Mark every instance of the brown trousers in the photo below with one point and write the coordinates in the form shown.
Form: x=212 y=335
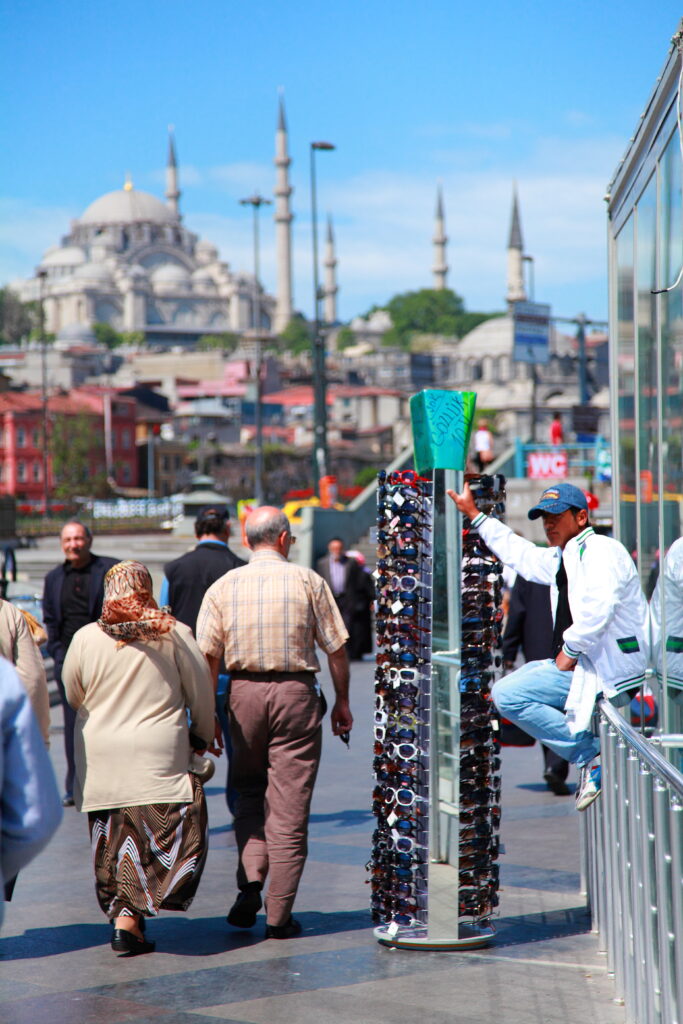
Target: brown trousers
x=276 y=739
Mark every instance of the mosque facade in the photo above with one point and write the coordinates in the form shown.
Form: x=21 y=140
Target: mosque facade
x=129 y=261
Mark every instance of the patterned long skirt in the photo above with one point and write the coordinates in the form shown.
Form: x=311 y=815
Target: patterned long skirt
x=149 y=858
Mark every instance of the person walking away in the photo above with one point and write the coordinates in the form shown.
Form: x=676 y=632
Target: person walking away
x=72 y=597
x=30 y=810
x=349 y=584
x=529 y=625
x=131 y=677
x=483 y=446
x=599 y=626
x=265 y=620
x=186 y=580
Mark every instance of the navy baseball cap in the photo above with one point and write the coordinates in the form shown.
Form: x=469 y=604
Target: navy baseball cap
x=559 y=498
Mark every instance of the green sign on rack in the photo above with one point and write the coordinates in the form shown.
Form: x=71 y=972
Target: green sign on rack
x=442 y=425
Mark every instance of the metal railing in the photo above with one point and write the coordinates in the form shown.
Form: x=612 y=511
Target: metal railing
x=633 y=865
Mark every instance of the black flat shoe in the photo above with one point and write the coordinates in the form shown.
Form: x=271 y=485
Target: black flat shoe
x=284 y=931
x=245 y=908
x=125 y=942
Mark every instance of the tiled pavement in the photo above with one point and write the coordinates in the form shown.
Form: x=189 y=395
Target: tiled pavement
x=56 y=964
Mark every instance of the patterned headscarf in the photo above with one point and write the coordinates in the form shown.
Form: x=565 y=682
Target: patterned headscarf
x=129 y=611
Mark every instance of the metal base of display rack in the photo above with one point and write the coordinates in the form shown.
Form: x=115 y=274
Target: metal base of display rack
x=471 y=937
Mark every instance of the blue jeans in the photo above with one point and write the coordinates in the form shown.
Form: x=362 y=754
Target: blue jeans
x=533 y=698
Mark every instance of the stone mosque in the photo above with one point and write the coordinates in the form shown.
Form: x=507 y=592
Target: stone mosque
x=129 y=261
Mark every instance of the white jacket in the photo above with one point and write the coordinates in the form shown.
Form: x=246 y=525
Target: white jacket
x=610 y=614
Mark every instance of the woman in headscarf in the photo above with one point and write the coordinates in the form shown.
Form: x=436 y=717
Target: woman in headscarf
x=132 y=677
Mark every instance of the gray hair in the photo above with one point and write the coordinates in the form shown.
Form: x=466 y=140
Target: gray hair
x=266 y=528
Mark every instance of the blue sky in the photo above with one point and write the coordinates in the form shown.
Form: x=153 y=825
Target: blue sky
x=470 y=95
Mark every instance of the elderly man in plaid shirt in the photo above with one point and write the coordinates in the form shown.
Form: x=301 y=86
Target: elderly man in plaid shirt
x=265 y=619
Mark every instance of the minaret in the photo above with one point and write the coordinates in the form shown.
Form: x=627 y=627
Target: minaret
x=440 y=268
x=330 y=290
x=283 y=226
x=172 y=190
x=516 y=289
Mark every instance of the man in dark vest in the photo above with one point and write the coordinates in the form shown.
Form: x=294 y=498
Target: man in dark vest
x=72 y=597
x=187 y=579
x=530 y=626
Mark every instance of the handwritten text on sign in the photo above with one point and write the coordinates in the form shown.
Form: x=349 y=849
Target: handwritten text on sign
x=547 y=465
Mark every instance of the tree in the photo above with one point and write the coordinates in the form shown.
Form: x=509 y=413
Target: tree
x=345 y=339
x=226 y=342
x=429 y=311
x=77 y=450
x=17 y=318
x=107 y=335
x=297 y=335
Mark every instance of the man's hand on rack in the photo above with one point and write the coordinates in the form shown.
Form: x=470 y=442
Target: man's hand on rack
x=464 y=502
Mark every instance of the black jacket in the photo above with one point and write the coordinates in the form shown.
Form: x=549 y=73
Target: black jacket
x=191 y=575
x=529 y=623
x=52 y=603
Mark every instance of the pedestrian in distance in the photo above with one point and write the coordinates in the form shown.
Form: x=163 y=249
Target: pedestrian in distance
x=599 y=633
x=483 y=446
x=555 y=432
x=529 y=625
x=72 y=597
x=186 y=580
x=265 y=619
x=132 y=677
x=30 y=809
x=353 y=592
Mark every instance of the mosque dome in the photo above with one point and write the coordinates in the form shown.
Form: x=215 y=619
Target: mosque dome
x=202 y=277
x=63 y=256
x=136 y=270
x=128 y=206
x=94 y=273
x=492 y=338
x=76 y=334
x=205 y=252
x=170 y=277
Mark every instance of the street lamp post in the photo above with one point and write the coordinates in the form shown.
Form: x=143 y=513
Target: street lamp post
x=320 y=454
x=42 y=277
x=256 y=201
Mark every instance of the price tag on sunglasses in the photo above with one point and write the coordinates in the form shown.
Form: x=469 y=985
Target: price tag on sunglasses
x=396 y=607
x=398 y=499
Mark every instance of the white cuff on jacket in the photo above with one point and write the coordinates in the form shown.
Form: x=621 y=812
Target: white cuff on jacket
x=566 y=649
x=479 y=519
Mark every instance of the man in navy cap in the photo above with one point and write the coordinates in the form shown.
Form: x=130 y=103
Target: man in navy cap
x=599 y=633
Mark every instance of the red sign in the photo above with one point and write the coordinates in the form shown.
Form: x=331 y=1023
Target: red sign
x=547 y=465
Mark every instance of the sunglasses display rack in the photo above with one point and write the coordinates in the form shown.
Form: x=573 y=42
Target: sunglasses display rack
x=400 y=854
x=481 y=628
x=404 y=719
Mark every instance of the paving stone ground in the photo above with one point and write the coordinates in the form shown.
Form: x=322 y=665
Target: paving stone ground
x=543 y=967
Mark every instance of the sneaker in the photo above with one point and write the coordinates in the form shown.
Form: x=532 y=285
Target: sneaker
x=589 y=789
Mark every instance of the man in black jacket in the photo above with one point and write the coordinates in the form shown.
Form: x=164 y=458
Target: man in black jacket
x=72 y=597
x=186 y=581
x=530 y=625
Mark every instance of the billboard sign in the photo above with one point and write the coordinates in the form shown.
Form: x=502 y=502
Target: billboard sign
x=547 y=465
x=531 y=322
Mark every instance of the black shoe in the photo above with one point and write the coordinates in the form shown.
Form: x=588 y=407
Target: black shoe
x=555 y=784
x=247 y=905
x=68 y=800
x=284 y=931
x=125 y=942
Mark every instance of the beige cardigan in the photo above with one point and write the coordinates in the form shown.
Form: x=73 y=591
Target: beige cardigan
x=19 y=647
x=131 y=737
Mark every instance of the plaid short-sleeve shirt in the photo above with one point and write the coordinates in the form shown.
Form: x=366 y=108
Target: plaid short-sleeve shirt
x=268 y=616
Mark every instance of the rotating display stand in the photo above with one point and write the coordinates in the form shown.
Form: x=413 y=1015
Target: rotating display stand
x=436 y=796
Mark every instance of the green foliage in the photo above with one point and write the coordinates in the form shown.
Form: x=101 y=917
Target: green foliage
x=136 y=339
x=428 y=311
x=77 y=448
x=226 y=342
x=17 y=318
x=297 y=335
x=366 y=475
x=107 y=336
x=345 y=339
